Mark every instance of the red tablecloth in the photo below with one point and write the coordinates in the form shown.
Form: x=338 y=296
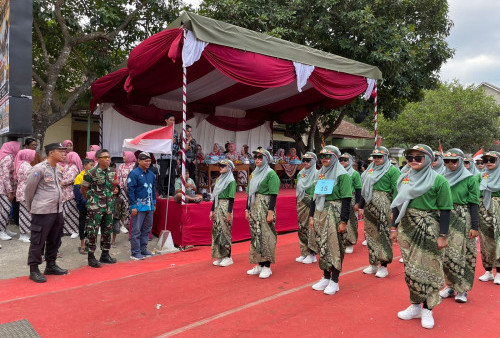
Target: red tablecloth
x=190 y=224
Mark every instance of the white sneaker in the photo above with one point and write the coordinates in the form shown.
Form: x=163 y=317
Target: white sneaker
x=461 y=297
x=349 y=249
x=11 y=233
x=447 y=292
x=427 y=319
x=74 y=235
x=401 y=260
x=364 y=243
x=216 y=262
x=497 y=278
x=321 y=285
x=266 y=272
x=4 y=236
x=332 y=288
x=413 y=311
x=300 y=259
x=226 y=261
x=123 y=230
x=255 y=270
x=310 y=259
x=370 y=270
x=24 y=238
x=488 y=275
x=382 y=272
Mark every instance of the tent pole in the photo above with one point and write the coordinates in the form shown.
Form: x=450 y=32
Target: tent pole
x=375 y=116
x=184 y=109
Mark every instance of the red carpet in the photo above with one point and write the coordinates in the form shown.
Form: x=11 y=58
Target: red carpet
x=198 y=299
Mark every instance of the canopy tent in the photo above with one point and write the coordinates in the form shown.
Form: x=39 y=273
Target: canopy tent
x=237 y=78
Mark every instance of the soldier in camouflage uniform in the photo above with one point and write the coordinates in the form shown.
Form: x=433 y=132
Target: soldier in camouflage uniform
x=97 y=188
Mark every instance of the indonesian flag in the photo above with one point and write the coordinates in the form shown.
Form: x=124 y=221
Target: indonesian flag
x=440 y=148
x=478 y=155
x=154 y=141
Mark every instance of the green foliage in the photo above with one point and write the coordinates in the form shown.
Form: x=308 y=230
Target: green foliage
x=100 y=55
x=462 y=117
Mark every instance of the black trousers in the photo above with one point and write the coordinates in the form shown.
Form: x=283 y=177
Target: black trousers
x=82 y=223
x=165 y=175
x=46 y=230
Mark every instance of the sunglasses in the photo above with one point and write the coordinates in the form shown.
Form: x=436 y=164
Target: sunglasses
x=258 y=157
x=325 y=156
x=377 y=156
x=343 y=159
x=222 y=165
x=306 y=160
x=450 y=161
x=490 y=160
x=466 y=162
x=418 y=158
x=479 y=162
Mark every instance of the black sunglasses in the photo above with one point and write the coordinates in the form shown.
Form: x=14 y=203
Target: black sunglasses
x=466 y=162
x=479 y=162
x=377 y=156
x=450 y=161
x=258 y=157
x=306 y=160
x=222 y=165
x=343 y=159
x=418 y=158
x=491 y=160
x=322 y=156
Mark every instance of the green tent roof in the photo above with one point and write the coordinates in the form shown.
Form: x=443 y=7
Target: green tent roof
x=221 y=33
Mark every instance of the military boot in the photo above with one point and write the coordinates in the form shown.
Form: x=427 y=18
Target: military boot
x=35 y=275
x=53 y=269
x=106 y=258
x=93 y=262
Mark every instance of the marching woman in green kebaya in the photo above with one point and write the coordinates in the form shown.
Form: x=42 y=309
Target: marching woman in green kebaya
x=352 y=226
x=262 y=189
x=421 y=218
x=460 y=255
x=305 y=180
x=489 y=217
x=222 y=214
x=329 y=215
x=379 y=187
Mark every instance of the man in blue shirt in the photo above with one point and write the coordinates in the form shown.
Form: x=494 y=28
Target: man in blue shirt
x=142 y=198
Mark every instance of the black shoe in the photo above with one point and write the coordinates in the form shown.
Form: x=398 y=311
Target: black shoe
x=106 y=258
x=93 y=262
x=37 y=277
x=53 y=269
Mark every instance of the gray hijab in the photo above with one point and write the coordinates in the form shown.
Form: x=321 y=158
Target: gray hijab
x=332 y=172
x=405 y=169
x=461 y=173
x=223 y=180
x=259 y=174
x=472 y=166
x=374 y=173
x=440 y=168
x=414 y=183
x=306 y=176
x=490 y=181
x=349 y=168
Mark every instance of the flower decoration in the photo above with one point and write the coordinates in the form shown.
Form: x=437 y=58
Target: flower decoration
x=406 y=180
x=370 y=171
x=302 y=175
x=321 y=176
x=485 y=176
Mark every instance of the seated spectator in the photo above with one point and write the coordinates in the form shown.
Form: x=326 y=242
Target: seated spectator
x=216 y=151
x=280 y=155
x=201 y=156
x=292 y=155
x=191 y=196
x=233 y=154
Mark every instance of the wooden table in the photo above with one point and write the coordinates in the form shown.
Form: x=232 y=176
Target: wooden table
x=214 y=168
x=284 y=175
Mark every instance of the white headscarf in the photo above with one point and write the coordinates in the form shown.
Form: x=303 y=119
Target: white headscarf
x=306 y=177
x=223 y=180
x=374 y=173
x=259 y=174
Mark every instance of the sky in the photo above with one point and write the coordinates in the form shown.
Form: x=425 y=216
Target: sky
x=475 y=36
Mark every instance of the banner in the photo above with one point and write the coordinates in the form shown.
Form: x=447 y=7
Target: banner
x=4 y=65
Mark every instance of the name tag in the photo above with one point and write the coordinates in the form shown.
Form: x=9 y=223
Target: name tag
x=324 y=187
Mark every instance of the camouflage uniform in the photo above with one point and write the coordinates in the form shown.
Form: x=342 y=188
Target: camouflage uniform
x=99 y=205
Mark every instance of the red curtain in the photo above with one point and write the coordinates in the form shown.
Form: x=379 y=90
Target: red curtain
x=109 y=88
x=339 y=86
x=148 y=115
x=234 y=124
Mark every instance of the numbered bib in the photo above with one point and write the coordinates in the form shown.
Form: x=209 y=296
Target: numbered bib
x=324 y=187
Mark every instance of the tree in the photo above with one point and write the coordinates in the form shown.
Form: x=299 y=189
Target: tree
x=461 y=117
x=405 y=39
x=75 y=42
